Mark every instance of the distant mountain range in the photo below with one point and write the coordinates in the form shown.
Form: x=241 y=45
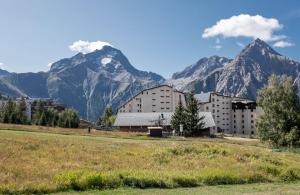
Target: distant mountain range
x=90 y=82
x=241 y=76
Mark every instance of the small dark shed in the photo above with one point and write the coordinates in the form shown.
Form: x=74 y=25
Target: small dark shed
x=155 y=131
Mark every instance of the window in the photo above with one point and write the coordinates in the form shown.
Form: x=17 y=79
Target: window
x=162 y=96
x=243 y=132
x=168 y=108
x=212 y=99
x=243 y=126
x=167 y=90
x=167 y=102
x=162 y=108
x=153 y=105
x=242 y=116
x=252 y=121
x=252 y=132
x=153 y=99
x=153 y=93
x=213 y=105
x=243 y=121
x=252 y=115
x=167 y=96
x=207 y=108
x=234 y=121
x=234 y=115
x=162 y=90
x=162 y=102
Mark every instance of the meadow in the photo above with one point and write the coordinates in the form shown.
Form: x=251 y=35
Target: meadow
x=48 y=160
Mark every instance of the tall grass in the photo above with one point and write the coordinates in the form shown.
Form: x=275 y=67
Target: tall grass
x=36 y=163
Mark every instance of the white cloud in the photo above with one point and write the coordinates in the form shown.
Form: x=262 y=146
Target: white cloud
x=242 y=45
x=86 y=46
x=2 y=66
x=245 y=25
x=283 y=44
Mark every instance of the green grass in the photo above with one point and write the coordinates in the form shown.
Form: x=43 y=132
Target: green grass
x=47 y=161
x=253 y=189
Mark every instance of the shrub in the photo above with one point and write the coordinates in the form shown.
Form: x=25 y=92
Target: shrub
x=270 y=169
x=218 y=177
x=186 y=181
x=290 y=174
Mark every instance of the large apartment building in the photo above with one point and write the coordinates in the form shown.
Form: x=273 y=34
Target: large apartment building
x=163 y=98
x=232 y=115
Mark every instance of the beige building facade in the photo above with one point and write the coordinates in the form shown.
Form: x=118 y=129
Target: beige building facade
x=163 y=98
x=232 y=115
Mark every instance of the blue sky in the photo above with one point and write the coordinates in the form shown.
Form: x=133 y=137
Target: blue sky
x=162 y=36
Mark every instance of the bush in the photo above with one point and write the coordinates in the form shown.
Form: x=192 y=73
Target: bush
x=186 y=181
x=220 y=178
x=270 y=169
x=290 y=174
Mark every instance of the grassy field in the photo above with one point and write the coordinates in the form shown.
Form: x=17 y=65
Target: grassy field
x=44 y=160
x=253 y=189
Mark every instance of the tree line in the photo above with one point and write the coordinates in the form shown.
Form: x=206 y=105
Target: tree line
x=15 y=113
x=107 y=119
x=279 y=124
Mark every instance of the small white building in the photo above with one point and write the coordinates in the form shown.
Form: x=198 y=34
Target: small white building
x=162 y=98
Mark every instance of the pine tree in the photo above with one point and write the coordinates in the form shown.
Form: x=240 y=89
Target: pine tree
x=39 y=110
x=21 y=112
x=178 y=118
x=193 y=124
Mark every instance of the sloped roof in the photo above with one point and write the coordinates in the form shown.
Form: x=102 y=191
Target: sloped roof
x=151 y=119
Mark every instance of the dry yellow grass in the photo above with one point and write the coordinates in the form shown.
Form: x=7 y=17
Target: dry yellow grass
x=34 y=160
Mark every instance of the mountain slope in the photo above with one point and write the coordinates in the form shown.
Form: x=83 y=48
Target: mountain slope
x=86 y=82
x=243 y=76
x=196 y=73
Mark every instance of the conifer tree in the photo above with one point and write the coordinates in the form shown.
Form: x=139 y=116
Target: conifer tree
x=178 y=118
x=193 y=124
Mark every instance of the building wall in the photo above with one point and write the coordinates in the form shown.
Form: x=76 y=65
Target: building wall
x=160 y=99
x=229 y=120
x=220 y=107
